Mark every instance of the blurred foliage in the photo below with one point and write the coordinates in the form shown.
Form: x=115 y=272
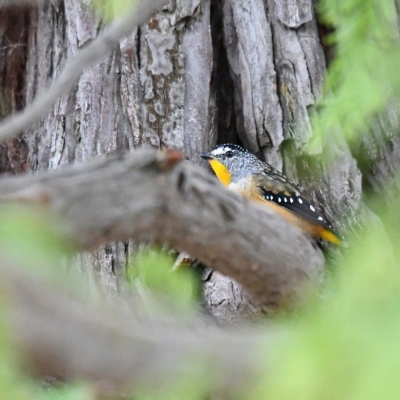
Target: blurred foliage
x=10 y=376
x=28 y=240
x=26 y=236
x=344 y=346
x=162 y=290
x=62 y=392
x=363 y=76
x=112 y=9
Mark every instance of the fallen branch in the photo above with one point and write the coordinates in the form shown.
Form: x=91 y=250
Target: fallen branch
x=84 y=58
x=149 y=195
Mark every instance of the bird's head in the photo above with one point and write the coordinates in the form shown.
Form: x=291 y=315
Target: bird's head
x=230 y=161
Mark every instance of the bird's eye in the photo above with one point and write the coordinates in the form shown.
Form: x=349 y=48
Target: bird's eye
x=229 y=154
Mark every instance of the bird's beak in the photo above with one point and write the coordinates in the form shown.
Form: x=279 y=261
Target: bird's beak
x=207 y=156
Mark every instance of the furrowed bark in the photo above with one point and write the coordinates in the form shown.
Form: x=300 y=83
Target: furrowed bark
x=94 y=52
x=191 y=76
x=248 y=40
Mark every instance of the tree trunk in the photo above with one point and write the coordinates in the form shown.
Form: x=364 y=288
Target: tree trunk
x=137 y=96
x=199 y=72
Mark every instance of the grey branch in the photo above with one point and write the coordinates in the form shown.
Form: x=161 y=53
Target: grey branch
x=84 y=58
x=20 y=3
x=150 y=195
x=63 y=337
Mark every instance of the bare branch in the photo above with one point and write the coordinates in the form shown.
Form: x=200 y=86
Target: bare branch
x=148 y=195
x=84 y=58
x=20 y=3
x=65 y=338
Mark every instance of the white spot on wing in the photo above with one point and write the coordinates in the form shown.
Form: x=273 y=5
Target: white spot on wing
x=312 y=208
x=279 y=199
x=285 y=199
x=300 y=201
x=291 y=200
x=320 y=218
x=272 y=197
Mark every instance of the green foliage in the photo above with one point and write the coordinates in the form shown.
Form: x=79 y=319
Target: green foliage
x=27 y=240
x=164 y=290
x=112 y=9
x=346 y=347
x=10 y=379
x=66 y=392
x=364 y=75
x=26 y=236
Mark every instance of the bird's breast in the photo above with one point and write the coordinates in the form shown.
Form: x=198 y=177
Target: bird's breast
x=242 y=186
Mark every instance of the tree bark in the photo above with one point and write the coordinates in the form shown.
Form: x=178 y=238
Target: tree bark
x=199 y=72
x=143 y=94
x=13 y=42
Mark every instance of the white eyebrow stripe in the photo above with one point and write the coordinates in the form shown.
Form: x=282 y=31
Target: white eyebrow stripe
x=220 y=150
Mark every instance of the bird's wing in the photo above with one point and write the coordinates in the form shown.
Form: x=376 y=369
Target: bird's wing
x=275 y=187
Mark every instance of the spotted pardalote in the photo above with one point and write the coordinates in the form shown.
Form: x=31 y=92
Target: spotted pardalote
x=244 y=173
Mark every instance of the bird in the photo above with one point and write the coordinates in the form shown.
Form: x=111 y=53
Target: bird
x=242 y=172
